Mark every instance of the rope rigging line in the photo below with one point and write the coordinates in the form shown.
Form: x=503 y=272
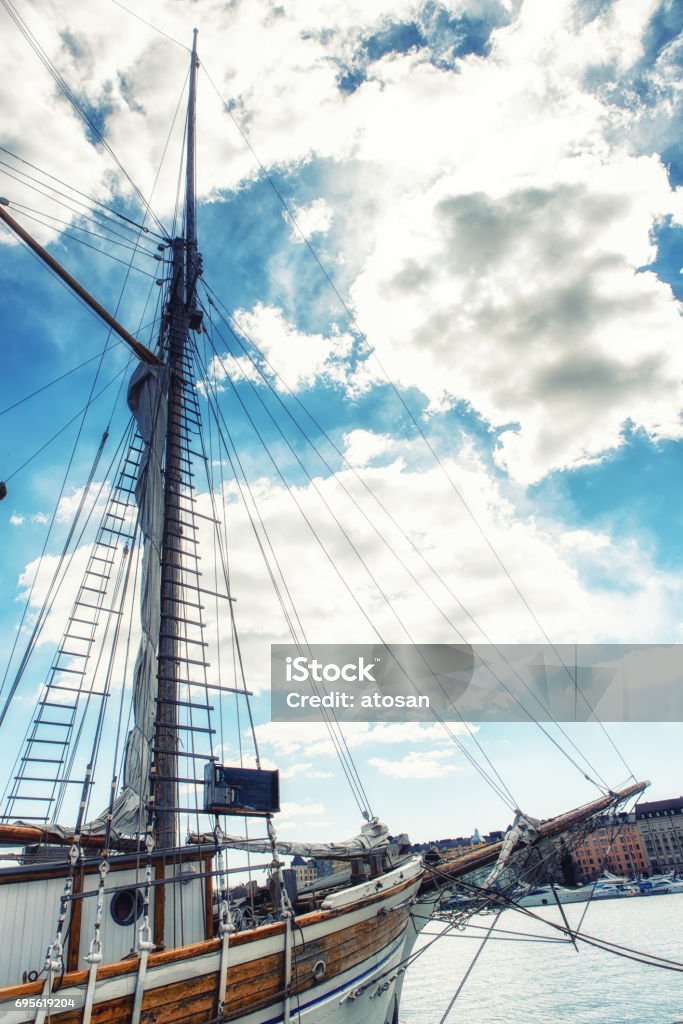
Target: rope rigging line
x=94 y=217
x=95 y=248
x=58 y=577
x=373 y=353
x=78 y=215
x=49 y=533
x=92 y=201
x=470 y=968
x=537 y=858
x=500 y=790
x=120 y=298
x=336 y=734
x=61 y=377
x=154 y=27
x=50 y=67
x=112 y=239
x=219 y=549
x=339 y=741
x=116 y=600
x=73 y=296
x=68 y=423
x=116 y=769
x=506 y=934
x=385 y=541
x=377 y=585
x=92 y=397
x=499 y=899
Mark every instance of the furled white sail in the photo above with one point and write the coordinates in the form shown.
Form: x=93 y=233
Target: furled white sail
x=148 y=401
x=373 y=836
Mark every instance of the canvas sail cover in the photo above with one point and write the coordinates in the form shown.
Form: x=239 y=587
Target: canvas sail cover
x=521 y=834
x=148 y=401
x=373 y=836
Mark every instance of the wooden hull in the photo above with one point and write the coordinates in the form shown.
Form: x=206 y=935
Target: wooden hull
x=359 y=939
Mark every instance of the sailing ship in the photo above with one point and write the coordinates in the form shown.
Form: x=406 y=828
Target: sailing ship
x=129 y=916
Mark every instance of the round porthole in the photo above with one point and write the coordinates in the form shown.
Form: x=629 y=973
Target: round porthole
x=318 y=969
x=126 y=906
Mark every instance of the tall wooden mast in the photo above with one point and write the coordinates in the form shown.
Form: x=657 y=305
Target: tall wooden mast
x=181 y=317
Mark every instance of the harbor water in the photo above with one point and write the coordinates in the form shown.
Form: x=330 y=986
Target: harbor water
x=522 y=979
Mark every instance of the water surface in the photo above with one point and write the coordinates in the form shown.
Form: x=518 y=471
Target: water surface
x=524 y=981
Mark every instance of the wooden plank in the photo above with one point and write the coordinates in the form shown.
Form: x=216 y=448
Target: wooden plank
x=208 y=898
x=75 y=924
x=140 y=350
x=159 y=903
x=171 y=956
x=255 y=984
x=121 y=862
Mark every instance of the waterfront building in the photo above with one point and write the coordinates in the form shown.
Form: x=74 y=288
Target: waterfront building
x=305 y=871
x=616 y=845
x=660 y=823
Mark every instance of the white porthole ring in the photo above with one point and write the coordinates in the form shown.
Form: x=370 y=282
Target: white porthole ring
x=319 y=970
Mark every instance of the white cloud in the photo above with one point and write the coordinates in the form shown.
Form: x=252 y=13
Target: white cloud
x=313 y=219
x=302 y=810
x=304 y=768
x=16 y=520
x=298 y=358
x=499 y=206
x=362 y=446
x=287 y=738
x=529 y=307
x=410 y=732
x=416 y=765
x=93 y=505
x=495 y=213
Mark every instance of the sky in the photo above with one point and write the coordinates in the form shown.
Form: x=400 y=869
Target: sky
x=455 y=231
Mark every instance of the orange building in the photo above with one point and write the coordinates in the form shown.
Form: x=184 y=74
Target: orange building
x=616 y=845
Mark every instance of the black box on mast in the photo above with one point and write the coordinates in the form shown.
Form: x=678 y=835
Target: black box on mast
x=242 y=791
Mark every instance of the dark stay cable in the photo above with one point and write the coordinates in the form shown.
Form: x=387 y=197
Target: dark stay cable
x=354 y=780
x=478 y=767
x=372 y=352
x=602 y=784
x=62 y=376
x=372 y=577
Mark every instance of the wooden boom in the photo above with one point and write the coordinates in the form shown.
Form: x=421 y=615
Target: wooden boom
x=141 y=351
x=485 y=855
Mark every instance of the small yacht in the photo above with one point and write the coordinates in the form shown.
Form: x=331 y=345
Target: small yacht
x=657 y=884
x=545 y=895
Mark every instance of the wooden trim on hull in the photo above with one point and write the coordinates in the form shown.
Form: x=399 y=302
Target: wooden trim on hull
x=254 y=985
x=254 y=982
x=28 y=835
x=120 y=862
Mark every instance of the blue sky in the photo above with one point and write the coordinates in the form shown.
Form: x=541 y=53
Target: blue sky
x=495 y=189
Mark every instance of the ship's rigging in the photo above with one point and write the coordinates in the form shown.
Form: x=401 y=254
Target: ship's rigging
x=168 y=729
x=214 y=310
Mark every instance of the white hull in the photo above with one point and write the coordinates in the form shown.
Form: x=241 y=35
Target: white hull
x=181 y=986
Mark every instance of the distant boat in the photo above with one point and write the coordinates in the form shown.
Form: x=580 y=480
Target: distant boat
x=548 y=895
x=660 y=884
